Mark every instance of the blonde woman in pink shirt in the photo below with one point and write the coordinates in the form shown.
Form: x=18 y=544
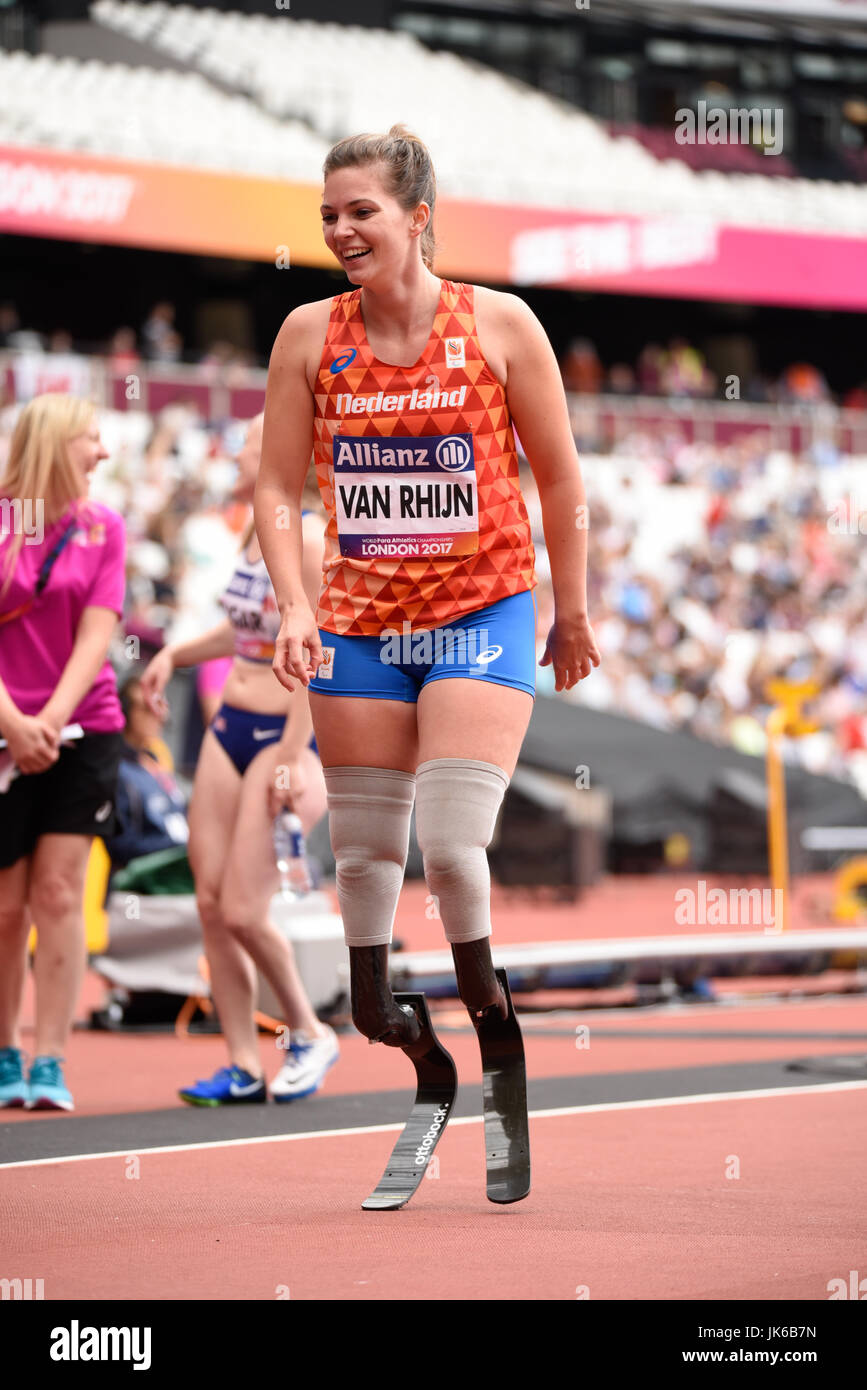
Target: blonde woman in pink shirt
x=62 y=582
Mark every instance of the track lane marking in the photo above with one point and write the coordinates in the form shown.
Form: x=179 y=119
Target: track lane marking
x=659 y=1101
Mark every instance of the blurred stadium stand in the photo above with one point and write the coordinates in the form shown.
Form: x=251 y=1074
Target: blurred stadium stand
x=296 y=90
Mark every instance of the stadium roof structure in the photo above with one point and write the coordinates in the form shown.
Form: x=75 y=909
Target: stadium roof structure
x=735 y=15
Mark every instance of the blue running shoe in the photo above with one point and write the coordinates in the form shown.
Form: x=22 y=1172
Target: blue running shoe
x=47 y=1086
x=13 y=1087
x=228 y=1086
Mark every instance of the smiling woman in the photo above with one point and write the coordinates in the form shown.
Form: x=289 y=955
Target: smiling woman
x=404 y=389
x=61 y=594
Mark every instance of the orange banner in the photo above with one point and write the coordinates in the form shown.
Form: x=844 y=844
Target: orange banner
x=89 y=198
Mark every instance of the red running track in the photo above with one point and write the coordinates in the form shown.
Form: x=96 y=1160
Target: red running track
x=628 y=1204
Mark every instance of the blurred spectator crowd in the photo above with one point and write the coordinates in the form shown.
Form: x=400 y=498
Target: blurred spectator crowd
x=712 y=568
x=157 y=341
x=677 y=371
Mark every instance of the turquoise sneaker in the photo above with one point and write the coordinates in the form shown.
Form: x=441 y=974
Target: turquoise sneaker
x=13 y=1087
x=47 y=1086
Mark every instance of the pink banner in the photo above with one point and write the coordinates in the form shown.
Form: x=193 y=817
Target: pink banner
x=680 y=257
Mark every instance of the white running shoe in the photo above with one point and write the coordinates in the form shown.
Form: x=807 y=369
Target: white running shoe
x=307 y=1061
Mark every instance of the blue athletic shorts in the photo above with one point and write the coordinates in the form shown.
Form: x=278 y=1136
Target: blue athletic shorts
x=496 y=644
x=243 y=733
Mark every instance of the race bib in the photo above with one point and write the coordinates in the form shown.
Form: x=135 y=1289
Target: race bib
x=410 y=498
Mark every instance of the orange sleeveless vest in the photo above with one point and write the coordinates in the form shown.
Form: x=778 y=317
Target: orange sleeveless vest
x=418 y=473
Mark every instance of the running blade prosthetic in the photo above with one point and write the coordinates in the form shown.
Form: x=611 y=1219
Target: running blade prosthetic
x=504 y=1091
x=436 y=1089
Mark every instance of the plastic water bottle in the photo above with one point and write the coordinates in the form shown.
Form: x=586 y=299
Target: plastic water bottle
x=291 y=855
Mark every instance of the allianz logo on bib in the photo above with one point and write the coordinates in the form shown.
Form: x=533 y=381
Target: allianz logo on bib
x=450 y=453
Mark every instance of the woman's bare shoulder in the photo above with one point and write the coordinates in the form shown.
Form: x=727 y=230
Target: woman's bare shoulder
x=306 y=319
x=302 y=336
x=500 y=308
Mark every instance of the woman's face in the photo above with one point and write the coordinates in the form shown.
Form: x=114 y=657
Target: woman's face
x=85 y=451
x=358 y=215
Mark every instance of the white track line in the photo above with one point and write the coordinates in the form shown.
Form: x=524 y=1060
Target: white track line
x=461 y=1120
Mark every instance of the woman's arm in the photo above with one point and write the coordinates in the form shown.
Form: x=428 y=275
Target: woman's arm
x=10 y=714
x=537 y=404
x=299 y=721
x=33 y=743
x=218 y=641
x=313 y=540
x=92 y=640
x=291 y=783
x=287 y=444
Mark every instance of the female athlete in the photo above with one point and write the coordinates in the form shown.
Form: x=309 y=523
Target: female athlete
x=420 y=658
x=238 y=790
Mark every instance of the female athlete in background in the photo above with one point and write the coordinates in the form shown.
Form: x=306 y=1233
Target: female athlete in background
x=256 y=731
x=405 y=388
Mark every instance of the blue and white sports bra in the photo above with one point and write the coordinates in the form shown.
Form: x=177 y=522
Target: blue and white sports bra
x=250 y=605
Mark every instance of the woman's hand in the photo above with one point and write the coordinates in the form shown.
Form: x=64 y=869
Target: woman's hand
x=288 y=783
x=155 y=678
x=297 y=630
x=571 y=647
x=34 y=743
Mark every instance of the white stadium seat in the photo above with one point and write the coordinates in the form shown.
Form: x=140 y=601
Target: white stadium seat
x=300 y=87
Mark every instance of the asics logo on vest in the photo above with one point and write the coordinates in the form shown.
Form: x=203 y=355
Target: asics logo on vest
x=343 y=361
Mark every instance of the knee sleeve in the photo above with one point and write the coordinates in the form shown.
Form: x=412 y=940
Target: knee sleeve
x=369 y=810
x=457 y=802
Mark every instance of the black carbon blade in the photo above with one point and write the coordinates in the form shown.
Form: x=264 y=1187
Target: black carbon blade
x=504 y=1092
x=436 y=1089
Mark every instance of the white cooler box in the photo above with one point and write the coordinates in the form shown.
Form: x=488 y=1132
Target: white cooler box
x=316 y=933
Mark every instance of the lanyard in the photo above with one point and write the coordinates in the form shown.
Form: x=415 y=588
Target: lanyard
x=44 y=575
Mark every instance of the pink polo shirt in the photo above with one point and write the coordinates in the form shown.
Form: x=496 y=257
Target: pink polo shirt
x=90 y=572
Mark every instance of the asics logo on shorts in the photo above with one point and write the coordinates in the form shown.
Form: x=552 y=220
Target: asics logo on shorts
x=103 y=813
x=259 y=734
x=489 y=654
